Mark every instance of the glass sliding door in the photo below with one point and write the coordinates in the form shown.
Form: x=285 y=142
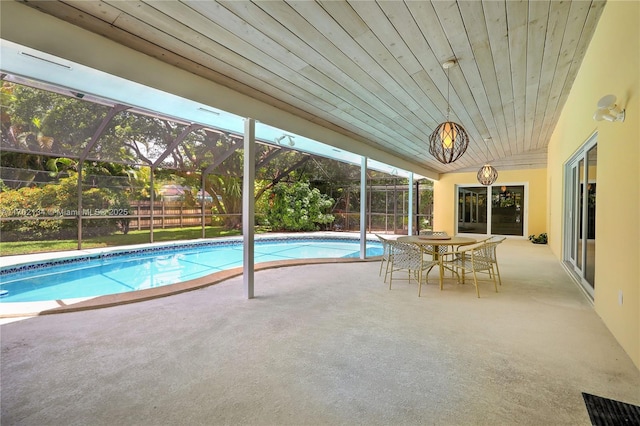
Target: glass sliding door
x=580 y=214
x=590 y=215
x=506 y=210
x=493 y=210
x=472 y=210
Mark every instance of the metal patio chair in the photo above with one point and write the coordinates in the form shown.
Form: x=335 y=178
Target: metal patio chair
x=386 y=256
x=474 y=260
x=409 y=257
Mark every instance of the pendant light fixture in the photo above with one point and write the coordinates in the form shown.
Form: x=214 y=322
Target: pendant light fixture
x=449 y=140
x=487 y=173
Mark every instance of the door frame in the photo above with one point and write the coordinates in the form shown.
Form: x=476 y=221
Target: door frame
x=570 y=226
x=525 y=206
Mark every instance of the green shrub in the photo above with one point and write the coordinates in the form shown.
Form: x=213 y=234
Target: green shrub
x=298 y=207
x=42 y=210
x=540 y=239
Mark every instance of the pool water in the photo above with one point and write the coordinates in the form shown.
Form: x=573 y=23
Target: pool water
x=137 y=271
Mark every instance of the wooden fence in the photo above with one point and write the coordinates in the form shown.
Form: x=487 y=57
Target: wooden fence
x=168 y=215
x=174 y=214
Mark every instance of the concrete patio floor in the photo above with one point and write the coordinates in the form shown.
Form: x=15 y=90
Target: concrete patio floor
x=324 y=344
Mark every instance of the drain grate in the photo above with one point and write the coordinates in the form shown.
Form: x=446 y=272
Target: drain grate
x=609 y=412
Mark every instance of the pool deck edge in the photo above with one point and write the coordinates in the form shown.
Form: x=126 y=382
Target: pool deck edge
x=31 y=309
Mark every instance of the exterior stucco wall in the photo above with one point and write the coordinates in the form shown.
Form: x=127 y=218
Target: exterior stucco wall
x=611 y=66
x=535 y=206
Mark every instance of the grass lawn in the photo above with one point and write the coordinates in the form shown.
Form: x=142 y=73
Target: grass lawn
x=133 y=237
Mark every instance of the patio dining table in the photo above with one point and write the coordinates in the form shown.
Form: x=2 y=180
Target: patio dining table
x=436 y=241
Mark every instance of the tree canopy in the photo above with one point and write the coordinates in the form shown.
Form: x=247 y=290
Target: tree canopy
x=47 y=131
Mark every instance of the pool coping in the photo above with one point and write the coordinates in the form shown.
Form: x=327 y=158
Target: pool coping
x=30 y=309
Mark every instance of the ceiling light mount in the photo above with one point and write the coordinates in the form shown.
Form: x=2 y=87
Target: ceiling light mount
x=449 y=140
x=449 y=64
x=608 y=110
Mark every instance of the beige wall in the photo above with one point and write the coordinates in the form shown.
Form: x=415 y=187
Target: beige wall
x=611 y=66
x=535 y=206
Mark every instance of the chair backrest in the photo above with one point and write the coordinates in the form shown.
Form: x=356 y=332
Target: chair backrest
x=386 y=247
x=405 y=255
x=441 y=249
x=484 y=240
x=488 y=250
x=494 y=241
x=482 y=256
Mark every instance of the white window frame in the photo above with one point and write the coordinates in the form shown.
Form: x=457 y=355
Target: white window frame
x=525 y=207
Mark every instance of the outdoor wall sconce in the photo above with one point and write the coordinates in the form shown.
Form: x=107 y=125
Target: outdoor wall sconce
x=608 y=110
x=449 y=140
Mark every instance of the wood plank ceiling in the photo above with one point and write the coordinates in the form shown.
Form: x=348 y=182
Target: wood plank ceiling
x=372 y=69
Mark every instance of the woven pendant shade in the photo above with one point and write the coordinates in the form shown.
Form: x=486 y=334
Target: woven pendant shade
x=448 y=142
x=487 y=175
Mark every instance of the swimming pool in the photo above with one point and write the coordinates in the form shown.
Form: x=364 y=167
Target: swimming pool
x=129 y=270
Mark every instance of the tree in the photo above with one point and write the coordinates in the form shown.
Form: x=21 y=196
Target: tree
x=48 y=123
x=298 y=207
x=56 y=129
